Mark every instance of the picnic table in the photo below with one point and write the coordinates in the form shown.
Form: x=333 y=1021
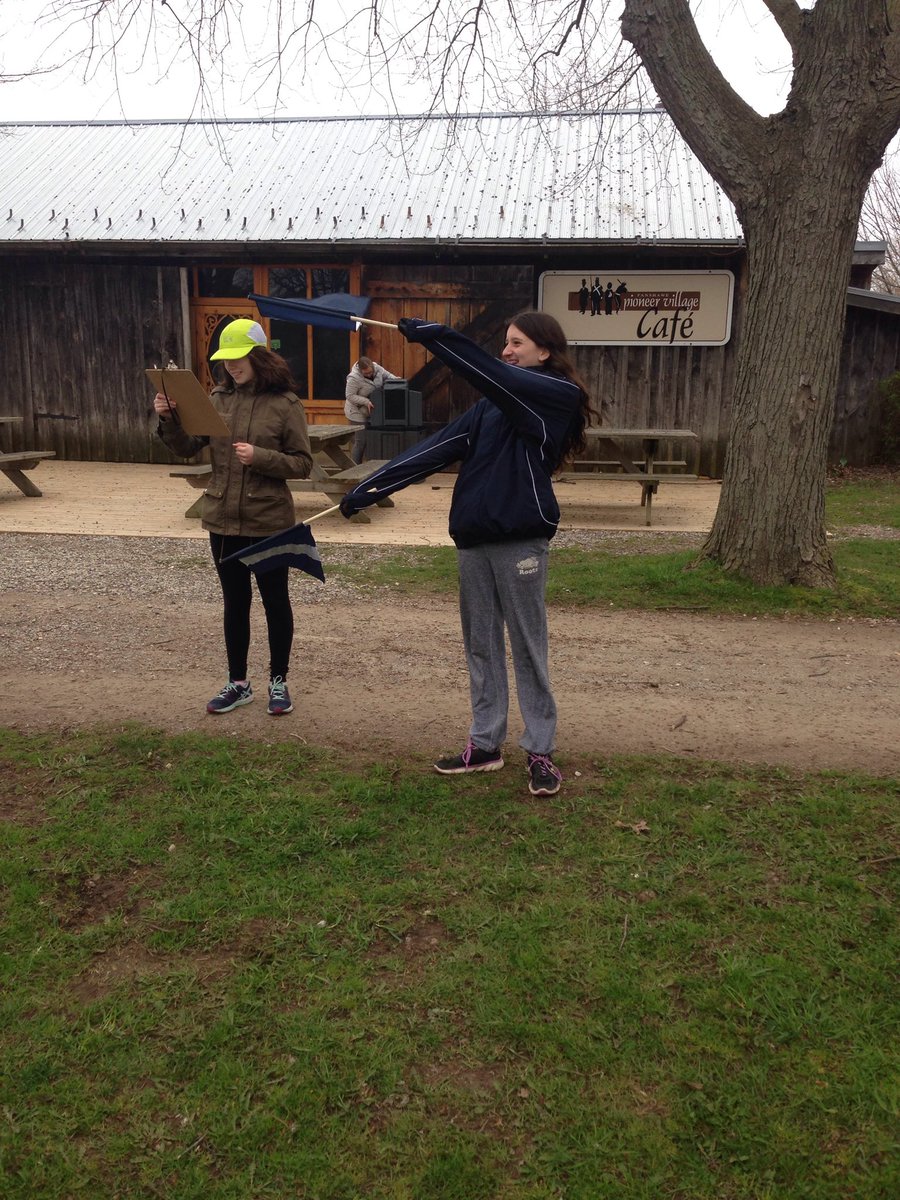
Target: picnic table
x=13 y=464
x=623 y=462
x=333 y=472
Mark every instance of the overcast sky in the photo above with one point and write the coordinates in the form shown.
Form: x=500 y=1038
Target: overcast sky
x=740 y=34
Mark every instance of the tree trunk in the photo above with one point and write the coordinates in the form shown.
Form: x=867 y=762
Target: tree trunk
x=797 y=181
x=770 y=524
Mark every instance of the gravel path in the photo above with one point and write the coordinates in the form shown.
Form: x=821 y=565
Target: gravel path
x=179 y=569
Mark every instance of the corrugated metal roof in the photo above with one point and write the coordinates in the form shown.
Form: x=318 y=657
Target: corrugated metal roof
x=507 y=178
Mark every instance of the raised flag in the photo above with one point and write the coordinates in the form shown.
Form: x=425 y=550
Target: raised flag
x=337 y=310
x=295 y=547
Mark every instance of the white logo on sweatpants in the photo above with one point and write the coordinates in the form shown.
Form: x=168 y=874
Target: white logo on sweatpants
x=528 y=566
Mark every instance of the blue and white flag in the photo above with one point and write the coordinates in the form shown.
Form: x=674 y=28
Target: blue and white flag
x=296 y=547
x=337 y=310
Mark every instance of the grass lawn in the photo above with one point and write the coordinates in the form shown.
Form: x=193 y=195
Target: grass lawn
x=654 y=571
x=652 y=577
x=864 y=498
x=243 y=971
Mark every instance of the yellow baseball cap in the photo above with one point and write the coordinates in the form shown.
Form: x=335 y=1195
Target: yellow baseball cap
x=238 y=339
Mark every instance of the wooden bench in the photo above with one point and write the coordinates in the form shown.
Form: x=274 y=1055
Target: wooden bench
x=348 y=479
x=198 y=476
x=609 y=464
x=649 y=483
x=334 y=485
x=12 y=465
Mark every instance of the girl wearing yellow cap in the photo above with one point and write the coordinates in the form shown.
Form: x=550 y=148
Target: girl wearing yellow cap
x=248 y=497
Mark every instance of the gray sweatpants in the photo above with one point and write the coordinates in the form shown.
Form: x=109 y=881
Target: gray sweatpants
x=502 y=584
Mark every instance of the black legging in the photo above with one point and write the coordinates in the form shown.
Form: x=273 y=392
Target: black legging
x=237 y=593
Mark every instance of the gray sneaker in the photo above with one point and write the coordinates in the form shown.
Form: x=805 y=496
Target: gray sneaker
x=544 y=777
x=231 y=696
x=279 y=697
x=471 y=759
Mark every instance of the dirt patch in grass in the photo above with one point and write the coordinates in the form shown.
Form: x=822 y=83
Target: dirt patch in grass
x=82 y=901
x=132 y=962
x=463 y=1077
x=21 y=803
x=424 y=938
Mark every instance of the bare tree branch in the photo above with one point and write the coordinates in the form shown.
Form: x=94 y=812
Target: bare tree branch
x=788 y=15
x=720 y=127
x=571 y=27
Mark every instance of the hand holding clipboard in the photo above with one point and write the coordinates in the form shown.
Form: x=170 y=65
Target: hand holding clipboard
x=196 y=411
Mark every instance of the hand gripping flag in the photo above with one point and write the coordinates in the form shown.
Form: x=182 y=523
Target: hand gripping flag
x=295 y=547
x=337 y=310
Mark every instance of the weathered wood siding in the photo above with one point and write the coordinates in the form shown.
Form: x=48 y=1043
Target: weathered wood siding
x=871 y=353
x=78 y=339
x=80 y=334
x=675 y=387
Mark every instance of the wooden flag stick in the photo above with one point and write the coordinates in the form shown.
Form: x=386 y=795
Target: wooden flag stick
x=323 y=513
x=369 y=321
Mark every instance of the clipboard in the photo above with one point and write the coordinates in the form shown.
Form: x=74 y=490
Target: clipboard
x=196 y=411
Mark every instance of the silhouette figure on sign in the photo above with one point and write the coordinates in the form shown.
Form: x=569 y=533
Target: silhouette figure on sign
x=608 y=299
x=596 y=297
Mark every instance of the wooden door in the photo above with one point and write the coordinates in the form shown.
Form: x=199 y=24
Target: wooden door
x=208 y=319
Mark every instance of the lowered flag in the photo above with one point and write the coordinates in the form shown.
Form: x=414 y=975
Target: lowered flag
x=296 y=547
x=337 y=310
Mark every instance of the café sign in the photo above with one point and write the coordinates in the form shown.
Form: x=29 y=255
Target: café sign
x=640 y=308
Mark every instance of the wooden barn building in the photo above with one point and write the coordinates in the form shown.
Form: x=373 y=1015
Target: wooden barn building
x=127 y=245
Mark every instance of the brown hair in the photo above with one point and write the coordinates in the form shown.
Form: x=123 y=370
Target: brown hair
x=271 y=373
x=545 y=331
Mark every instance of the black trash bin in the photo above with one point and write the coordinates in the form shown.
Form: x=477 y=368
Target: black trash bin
x=395 y=423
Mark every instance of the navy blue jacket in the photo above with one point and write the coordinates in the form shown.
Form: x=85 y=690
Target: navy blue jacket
x=509 y=444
